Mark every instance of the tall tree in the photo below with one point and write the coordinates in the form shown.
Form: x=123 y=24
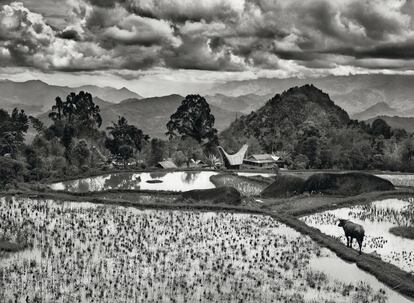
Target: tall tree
x=193 y=119
x=56 y=113
x=122 y=134
x=79 y=110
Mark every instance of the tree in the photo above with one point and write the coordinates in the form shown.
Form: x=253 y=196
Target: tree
x=407 y=150
x=37 y=124
x=123 y=134
x=193 y=119
x=34 y=164
x=125 y=152
x=10 y=171
x=380 y=127
x=301 y=162
x=66 y=140
x=56 y=113
x=79 y=111
x=157 y=151
x=81 y=152
x=310 y=148
x=12 y=130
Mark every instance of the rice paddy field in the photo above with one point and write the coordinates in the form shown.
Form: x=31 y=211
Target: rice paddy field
x=377 y=218
x=81 y=252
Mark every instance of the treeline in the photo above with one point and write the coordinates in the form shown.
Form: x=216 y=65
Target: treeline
x=74 y=143
x=356 y=146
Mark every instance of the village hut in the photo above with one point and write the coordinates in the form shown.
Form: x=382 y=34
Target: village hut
x=263 y=161
x=166 y=164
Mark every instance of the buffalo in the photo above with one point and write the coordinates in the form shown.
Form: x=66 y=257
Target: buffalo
x=352 y=230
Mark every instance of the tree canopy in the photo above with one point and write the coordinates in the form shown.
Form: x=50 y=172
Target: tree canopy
x=194 y=119
x=78 y=110
x=123 y=138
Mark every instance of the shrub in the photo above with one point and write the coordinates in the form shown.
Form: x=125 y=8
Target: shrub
x=11 y=171
x=346 y=184
x=224 y=195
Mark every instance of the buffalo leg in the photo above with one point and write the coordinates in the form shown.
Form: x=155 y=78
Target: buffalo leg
x=350 y=243
x=360 y=246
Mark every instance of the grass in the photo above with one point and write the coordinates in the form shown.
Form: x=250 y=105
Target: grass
x=403 y=231
x=247 y=186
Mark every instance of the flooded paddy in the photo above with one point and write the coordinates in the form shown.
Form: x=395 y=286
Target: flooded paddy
x=81 y=252
x=377 y=218
x=167 y=181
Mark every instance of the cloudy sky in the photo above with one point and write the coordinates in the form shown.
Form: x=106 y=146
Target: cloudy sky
x=161 y=46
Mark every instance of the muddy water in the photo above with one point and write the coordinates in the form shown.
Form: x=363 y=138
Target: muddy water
x=376 y=218
x=85 y=253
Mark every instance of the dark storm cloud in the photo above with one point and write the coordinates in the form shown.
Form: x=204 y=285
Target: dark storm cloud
x=376 y=24
x=229 y=35
x=402 y=50
x=70 y=34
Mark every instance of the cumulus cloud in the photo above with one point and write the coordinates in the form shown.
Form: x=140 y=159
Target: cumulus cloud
x=142 y=30
x=218 y=35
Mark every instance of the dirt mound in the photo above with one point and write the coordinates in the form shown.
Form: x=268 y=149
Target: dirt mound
x=284 y=186
x=247 y=186
x=219 y=195
x=346 y=184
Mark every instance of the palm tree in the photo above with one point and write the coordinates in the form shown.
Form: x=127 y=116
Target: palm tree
x=59 y=107
x=69 y=107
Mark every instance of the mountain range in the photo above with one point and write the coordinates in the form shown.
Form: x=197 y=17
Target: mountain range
x=363 y=96
x=36 y=97
x=354 y=93
x=151 y=114
x=244 y=103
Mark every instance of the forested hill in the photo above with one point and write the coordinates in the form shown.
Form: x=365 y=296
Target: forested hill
x=299 y=109
x=305 y=127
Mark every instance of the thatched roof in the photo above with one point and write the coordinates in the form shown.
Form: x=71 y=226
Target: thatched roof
x=166 y=164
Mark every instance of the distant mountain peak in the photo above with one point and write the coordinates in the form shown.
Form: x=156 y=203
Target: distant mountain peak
x=287 y=113
x=378 y=109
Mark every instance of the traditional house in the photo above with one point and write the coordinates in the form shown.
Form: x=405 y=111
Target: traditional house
x=235 y=160
x=263 y=161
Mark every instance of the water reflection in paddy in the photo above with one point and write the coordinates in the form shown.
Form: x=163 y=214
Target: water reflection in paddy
x=170 y=181
x=88 y=253
x=376 y=218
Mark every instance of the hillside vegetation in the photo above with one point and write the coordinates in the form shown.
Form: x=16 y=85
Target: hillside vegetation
x=306 y=128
